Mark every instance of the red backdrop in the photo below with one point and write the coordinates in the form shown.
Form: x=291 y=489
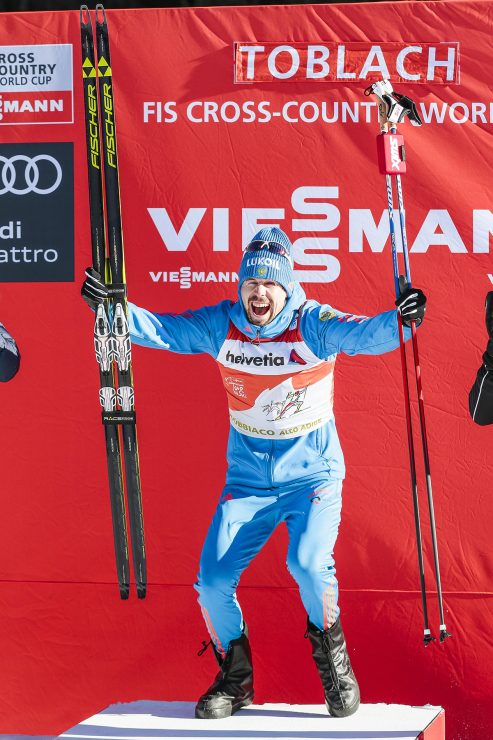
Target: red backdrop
x=69 y=646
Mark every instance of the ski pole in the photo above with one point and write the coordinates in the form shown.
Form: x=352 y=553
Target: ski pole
x=422 y=420
x=393 y=108
x=427 y=636
x=405 y=379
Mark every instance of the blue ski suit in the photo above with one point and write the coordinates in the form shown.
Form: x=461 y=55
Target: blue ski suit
x=285 y=462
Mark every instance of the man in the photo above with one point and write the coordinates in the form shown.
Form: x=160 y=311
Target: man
x=9 y=356
x=276 y=353
x=481 y=393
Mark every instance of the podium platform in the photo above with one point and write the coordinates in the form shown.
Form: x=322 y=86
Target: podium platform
x=152 y=720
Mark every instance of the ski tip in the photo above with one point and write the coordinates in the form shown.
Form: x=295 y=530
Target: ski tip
x=141 y=591
x=100 y=9
x=124 y=591
x=85 y=16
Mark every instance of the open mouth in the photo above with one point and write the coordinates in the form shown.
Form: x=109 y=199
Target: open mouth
x=259 y=308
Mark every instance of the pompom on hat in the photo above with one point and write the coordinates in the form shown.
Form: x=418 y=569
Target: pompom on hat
x=268 y=257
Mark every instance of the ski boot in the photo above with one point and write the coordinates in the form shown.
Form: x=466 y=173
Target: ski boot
x=233 y=686
x=332 y=661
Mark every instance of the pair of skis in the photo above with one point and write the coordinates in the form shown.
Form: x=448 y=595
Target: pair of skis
x=393 y=108
x=111 y=331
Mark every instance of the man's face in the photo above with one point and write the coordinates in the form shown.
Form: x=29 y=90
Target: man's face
x=263 y=300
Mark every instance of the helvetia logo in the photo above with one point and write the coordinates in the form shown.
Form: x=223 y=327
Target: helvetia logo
x=267 y=360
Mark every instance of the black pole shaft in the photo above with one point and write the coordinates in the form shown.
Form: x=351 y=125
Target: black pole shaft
x=422 y=420
x=409 y=427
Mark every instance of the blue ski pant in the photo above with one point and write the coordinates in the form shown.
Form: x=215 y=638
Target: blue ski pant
x=242 y=524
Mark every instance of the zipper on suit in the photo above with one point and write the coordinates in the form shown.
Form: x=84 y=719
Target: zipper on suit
x=270 y=465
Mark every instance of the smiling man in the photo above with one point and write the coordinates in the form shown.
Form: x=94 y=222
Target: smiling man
x=263 y=300
x=276 y=352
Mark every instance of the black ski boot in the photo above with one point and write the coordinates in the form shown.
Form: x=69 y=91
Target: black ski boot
x=332 y=660
x=233 y=686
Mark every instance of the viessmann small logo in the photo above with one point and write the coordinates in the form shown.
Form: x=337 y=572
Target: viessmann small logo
x=36 y=84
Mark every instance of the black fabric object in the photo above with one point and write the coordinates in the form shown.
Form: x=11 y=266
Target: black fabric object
x=9 y=364
x=233 y=686
x=93 y=290
x=9 y=356
x=18 y=6
x=411 y=303
x=481 y=393
x=488 y=316
x=334 y=667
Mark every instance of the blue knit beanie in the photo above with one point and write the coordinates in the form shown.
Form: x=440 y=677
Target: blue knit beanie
x=267 y=265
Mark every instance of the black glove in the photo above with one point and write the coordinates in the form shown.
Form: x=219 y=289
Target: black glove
x=93 y=290
x=488 y=311
x=411 y=303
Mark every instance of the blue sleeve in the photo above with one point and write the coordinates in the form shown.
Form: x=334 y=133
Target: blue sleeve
x=328 y=331
x=191 y=332
x=9 y=356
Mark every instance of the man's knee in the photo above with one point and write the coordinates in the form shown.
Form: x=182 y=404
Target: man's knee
x=310 y=568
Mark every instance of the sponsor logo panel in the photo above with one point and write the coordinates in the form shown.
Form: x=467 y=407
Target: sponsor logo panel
x=37 y=212
x=36 y=84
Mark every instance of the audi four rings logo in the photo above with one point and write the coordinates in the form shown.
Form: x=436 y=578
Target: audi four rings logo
x=22 y=180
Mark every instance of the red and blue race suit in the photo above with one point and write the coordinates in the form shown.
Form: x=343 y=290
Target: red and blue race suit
x=285 y=462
